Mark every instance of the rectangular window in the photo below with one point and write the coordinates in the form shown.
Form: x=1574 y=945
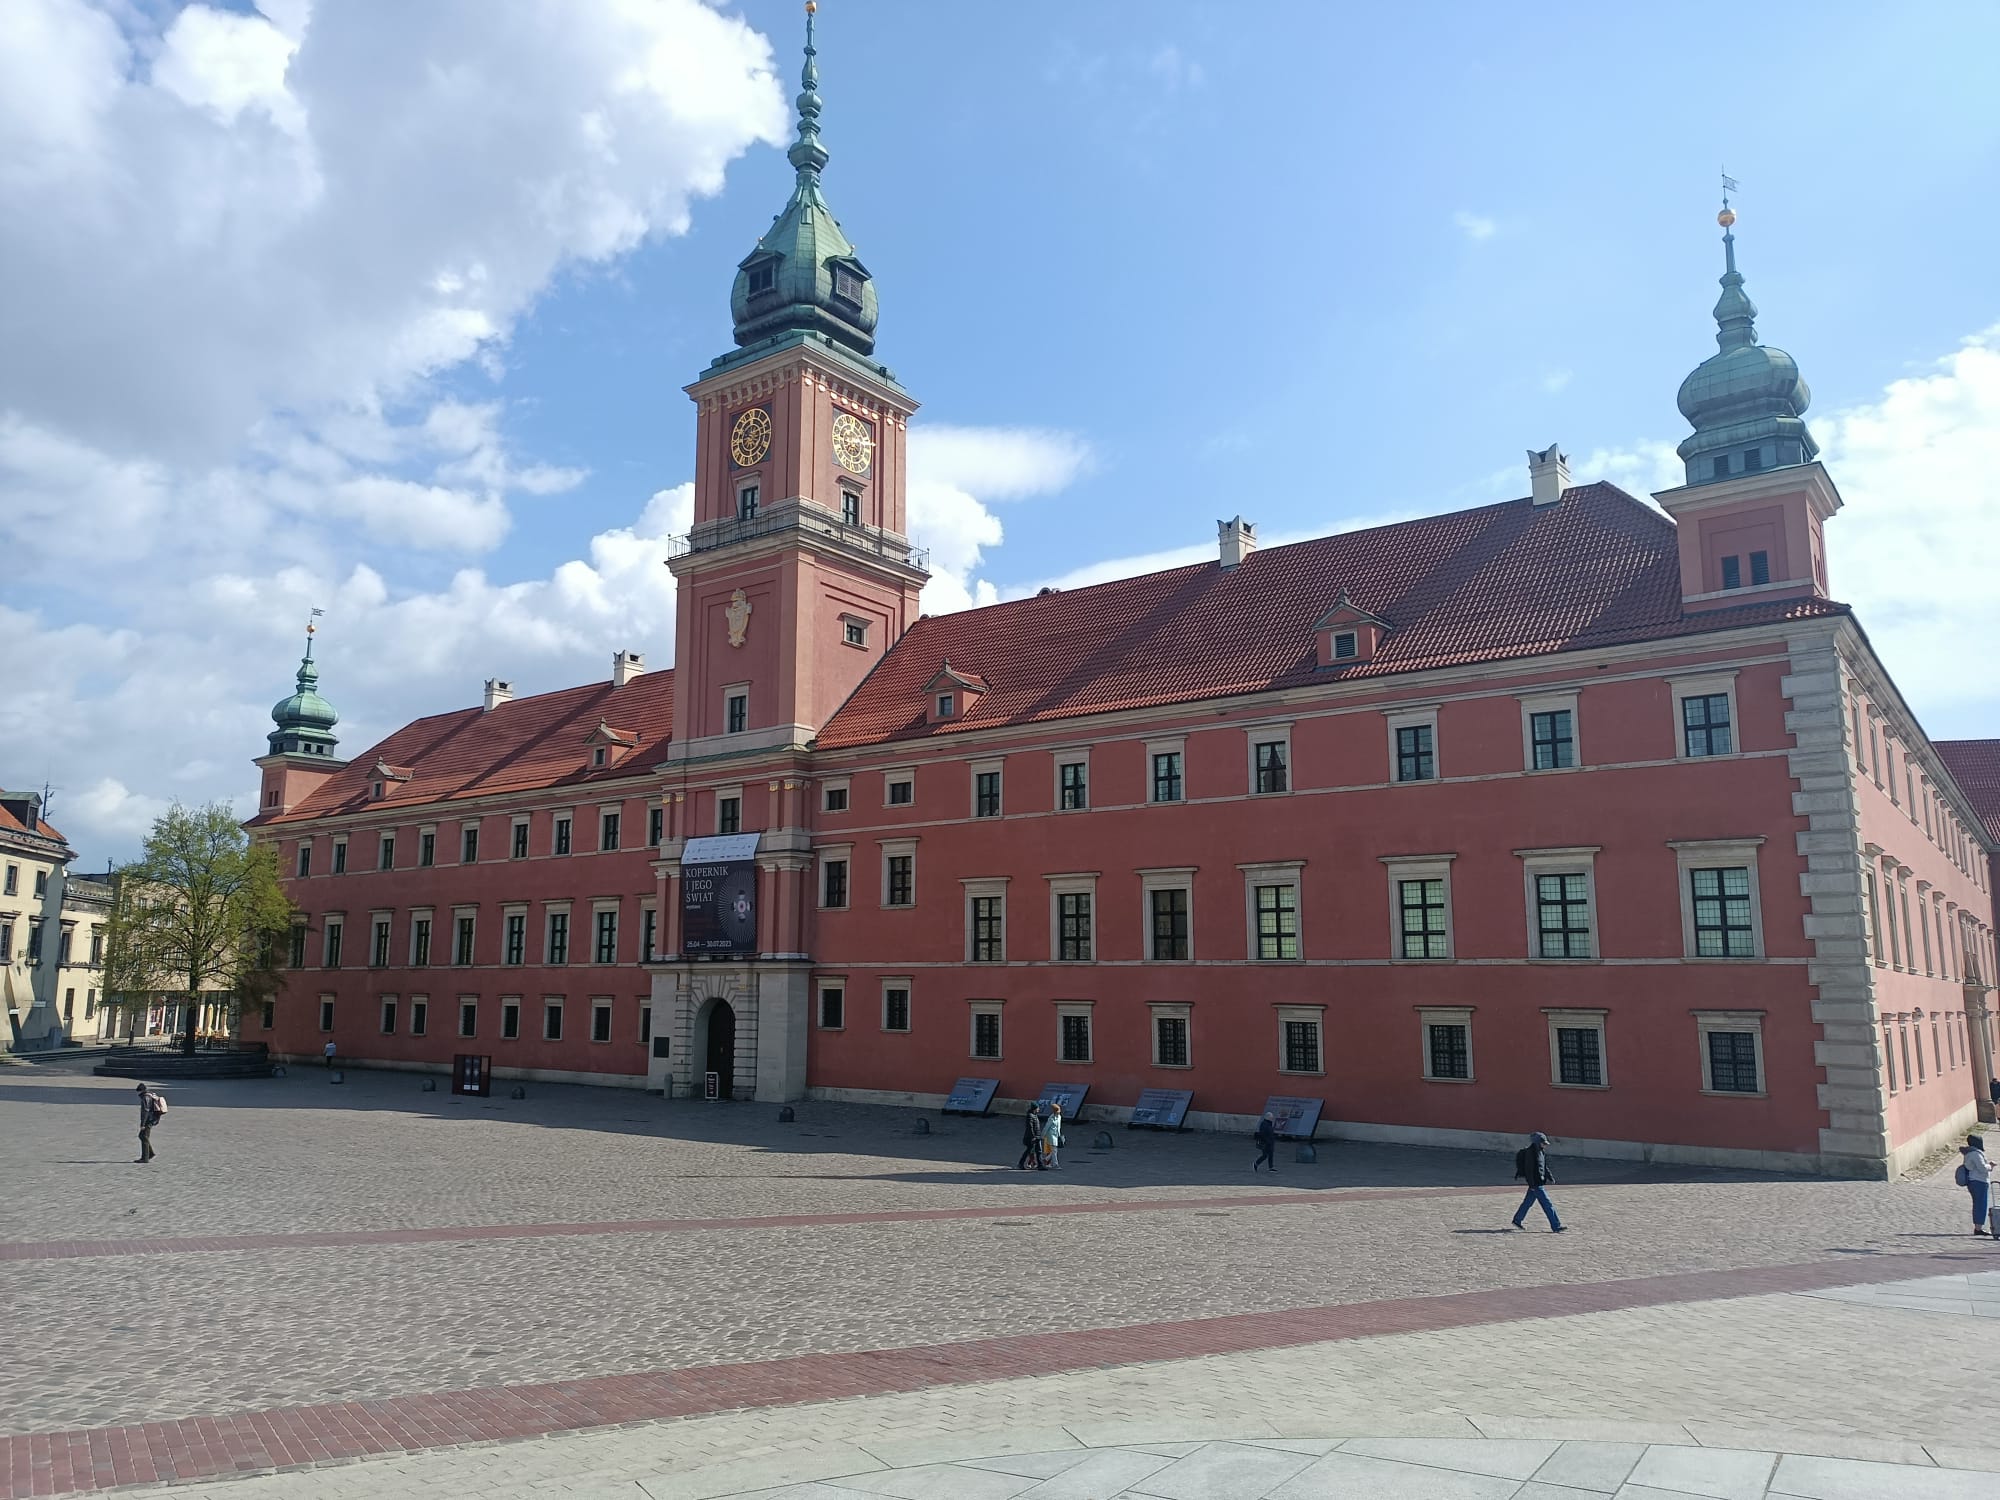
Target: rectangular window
x=835 y=871
x=510 y=1019
x=1272 y=773
x=649 y=931
x=562 y=835
x=305 y=864
x=645 y=1024
x=832 y=1008
x=607 y=831
x=558 y=945
x=1073 y=918
x=468 y=852
x=1423 y=928
x=14 y=879
x=1167 y=776
x=1075 y=1033
x=1169 y=924
x=1301 y=1047
x=600 y=1022
x=420 y=1017
x=1760 y=567
x=1278 y=922
x=388 y=1016
x=729 y=815
x=901 y=792
x=1722 y=926
x=380 y=955
x=517 y=938
x=1705 y=724
x=332 y=944
x=468 y=1018
x=854 y=632
x=1580 y=1056
x=520 y=841
x=986 y=794
x=298 y=944
x=386 y=852
x=1074 y=778
x=746 y=503
x=1732 y=572
x=988 y=929
x=552 y=1020
x=1553 y=738
x=850 y=507
x=902 y=880
x=1346 y=645
x=836 y=799
x=427 y=844
x=1562 y=915
x=986 y=1034
x=1416 y=755
x=1732 y=1062
x=462 y=946
x=1170 y=1041
x=267 y=1020
x=736 y=712
x=656 y=826
x=339 y=857
x=896 y=1009
x=326 y=1015
x=607 y=937
x=420 y=942
x=1450 y=1050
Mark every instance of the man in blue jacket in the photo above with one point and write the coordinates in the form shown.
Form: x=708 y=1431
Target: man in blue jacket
x=1531 y=1164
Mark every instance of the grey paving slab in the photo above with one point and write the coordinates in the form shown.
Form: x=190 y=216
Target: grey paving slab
x=1504 y=1458
x=936 y=1482
x=1591 y=1466
x=1311 y=1446
x=1223 y=1471
x=1959 y=1456
x=1716 y=1473
x=1805 y=1438
x=1844 y=1479
x=826 y=1460
x=1031 y=1465
x=1111 y=1472
x=985 y=1442
x=1536 y=1490
x=1351 y=1474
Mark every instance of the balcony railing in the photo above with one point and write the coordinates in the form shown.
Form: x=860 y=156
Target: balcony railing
x=869 y=541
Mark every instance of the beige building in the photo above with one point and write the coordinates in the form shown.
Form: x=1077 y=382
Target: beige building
x=51 y=934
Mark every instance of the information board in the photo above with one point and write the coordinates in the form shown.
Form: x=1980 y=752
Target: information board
x=1162 y=1109
x=970 y=1096
x=711 y=1086
x=719 y=896
x=472 y=1074
x=1296 y=1119
x=1071 y=1095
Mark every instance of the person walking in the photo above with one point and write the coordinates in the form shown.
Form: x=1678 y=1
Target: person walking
x=1052 y=1135
x=1031 y=1140
x=1267 y=1144
x=327 y=1051
x=1975 y=1175
x=151 y=1107
x=1531 y=1165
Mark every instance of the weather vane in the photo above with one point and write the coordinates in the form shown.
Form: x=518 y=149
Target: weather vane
x=1728 y=214
x=310 y=627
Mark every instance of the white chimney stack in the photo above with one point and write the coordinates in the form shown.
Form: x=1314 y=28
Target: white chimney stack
x=1548 y=474
x=625 y=665
x=497 y=693
x=1238 y=540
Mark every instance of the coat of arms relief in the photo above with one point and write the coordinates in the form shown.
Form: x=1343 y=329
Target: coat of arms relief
x=738 y=616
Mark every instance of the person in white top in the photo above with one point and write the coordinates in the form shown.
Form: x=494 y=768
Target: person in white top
x=327 y=1052
x=1976 y=1173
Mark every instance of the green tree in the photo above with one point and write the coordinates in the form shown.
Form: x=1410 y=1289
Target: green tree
x=201 y=914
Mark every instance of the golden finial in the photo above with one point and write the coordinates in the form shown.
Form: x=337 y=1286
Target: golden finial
x=812 y=7
x=1728 y=214
x=1726 y=217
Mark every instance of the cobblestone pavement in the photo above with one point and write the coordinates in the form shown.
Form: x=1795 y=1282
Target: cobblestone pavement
x=573 y=1290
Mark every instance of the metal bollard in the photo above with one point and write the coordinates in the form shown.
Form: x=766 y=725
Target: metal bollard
x=337 y=1077
x=519 y=1092
x=785 y=1115
x=922 y=1127
x=279 y=1071
x=430 y=1086
x=1102 y=1141
x=1306 y=1153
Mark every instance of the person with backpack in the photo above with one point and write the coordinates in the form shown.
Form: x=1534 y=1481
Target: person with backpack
x=1031 y=1141
x=1975 y=1175
x=1267 y=1144
x=1531 y=1165
x=151 y=1107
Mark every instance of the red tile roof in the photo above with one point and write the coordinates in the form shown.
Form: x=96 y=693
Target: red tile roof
x=42 y=829
x=1975 y=766
x=532 y=742
x=1499 y=581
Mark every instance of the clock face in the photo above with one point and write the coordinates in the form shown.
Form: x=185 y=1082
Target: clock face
x=750 y=438
x=853 y=443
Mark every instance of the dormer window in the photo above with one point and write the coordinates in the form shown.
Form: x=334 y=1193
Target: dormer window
x=763 y=277
x=1345 y=646
x=597 y=756
x=378 y=791
x=847 y=283
x=944 y=705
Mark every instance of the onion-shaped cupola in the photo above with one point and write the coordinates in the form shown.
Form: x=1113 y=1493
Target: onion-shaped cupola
x=305 y=720
x=803 y=277
x=1745 y=401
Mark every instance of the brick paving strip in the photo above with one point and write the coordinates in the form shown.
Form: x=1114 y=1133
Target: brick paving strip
x=16 y=1250
x=193 y=1448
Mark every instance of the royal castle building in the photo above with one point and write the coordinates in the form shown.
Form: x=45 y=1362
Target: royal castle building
x=1570 y=813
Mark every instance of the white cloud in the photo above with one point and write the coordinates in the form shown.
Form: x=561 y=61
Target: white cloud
x=1639 y=469
x=953 y=472
x=1175 y=69
x=1556 y=380
x=1474 y=226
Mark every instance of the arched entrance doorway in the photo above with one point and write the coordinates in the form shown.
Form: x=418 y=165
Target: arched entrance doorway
x=720 y=1053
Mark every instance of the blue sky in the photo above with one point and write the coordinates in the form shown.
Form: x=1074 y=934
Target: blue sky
x=341 y=306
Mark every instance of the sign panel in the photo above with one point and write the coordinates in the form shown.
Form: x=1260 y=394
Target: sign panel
x=711 y=1086
x=970 y=1096
x=1162 y=1109
x=719 y=896
x=471 y=1074
x=1296 y=1119
x=1071 y=1095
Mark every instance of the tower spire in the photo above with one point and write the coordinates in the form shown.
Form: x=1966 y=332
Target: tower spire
x=807 y=154
x=1735 y=313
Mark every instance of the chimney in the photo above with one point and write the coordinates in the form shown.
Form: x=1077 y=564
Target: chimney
x=497 y=693
x=625 y=665
x=1548 y=474
x=1238 y=538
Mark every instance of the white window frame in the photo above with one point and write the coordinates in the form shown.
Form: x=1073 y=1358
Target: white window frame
x=615 y=905
x=1171 y=878
x=838 y=984
x=648 y=950
x=474 y=827
x=974 y=1010
x=513 y=1003
x=835 y=784
x=337 y=860
x=899 y=982
x=1268 y=734
x=1172 y=745
x=722 y=795
x=550 y=911
x=1069 y=756
x=894 y=849
x=1703 y=686
x=564 y=817
x=607 y=810
x=896 y=776
x=1445 y=1015
x=1751 y=1021
x=985 y=886
x=1313 y=1013
x=1551 y=703
x=1578 y=859
x=330 y=923
x=1402 y=867
x=521 y=820
x=602 y=1003
x=1586 y=1018
x=508 y=912
x=978 y=768
x=1176 y=1010
x=1273 y=872
x=731 y=692
x=1711 y=854
x=423 y=914
x=847 y=624
x=552 y=1005
x=387 y=1011
x=1076 y=1008
x=828 y=854
x=326 y=1013
x=1077 y=883
x=473 y=1001
x=1412 y=717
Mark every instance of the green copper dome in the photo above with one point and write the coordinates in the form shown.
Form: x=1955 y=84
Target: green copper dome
x=1745 y=401
x=803 y=276
x=305 y=720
